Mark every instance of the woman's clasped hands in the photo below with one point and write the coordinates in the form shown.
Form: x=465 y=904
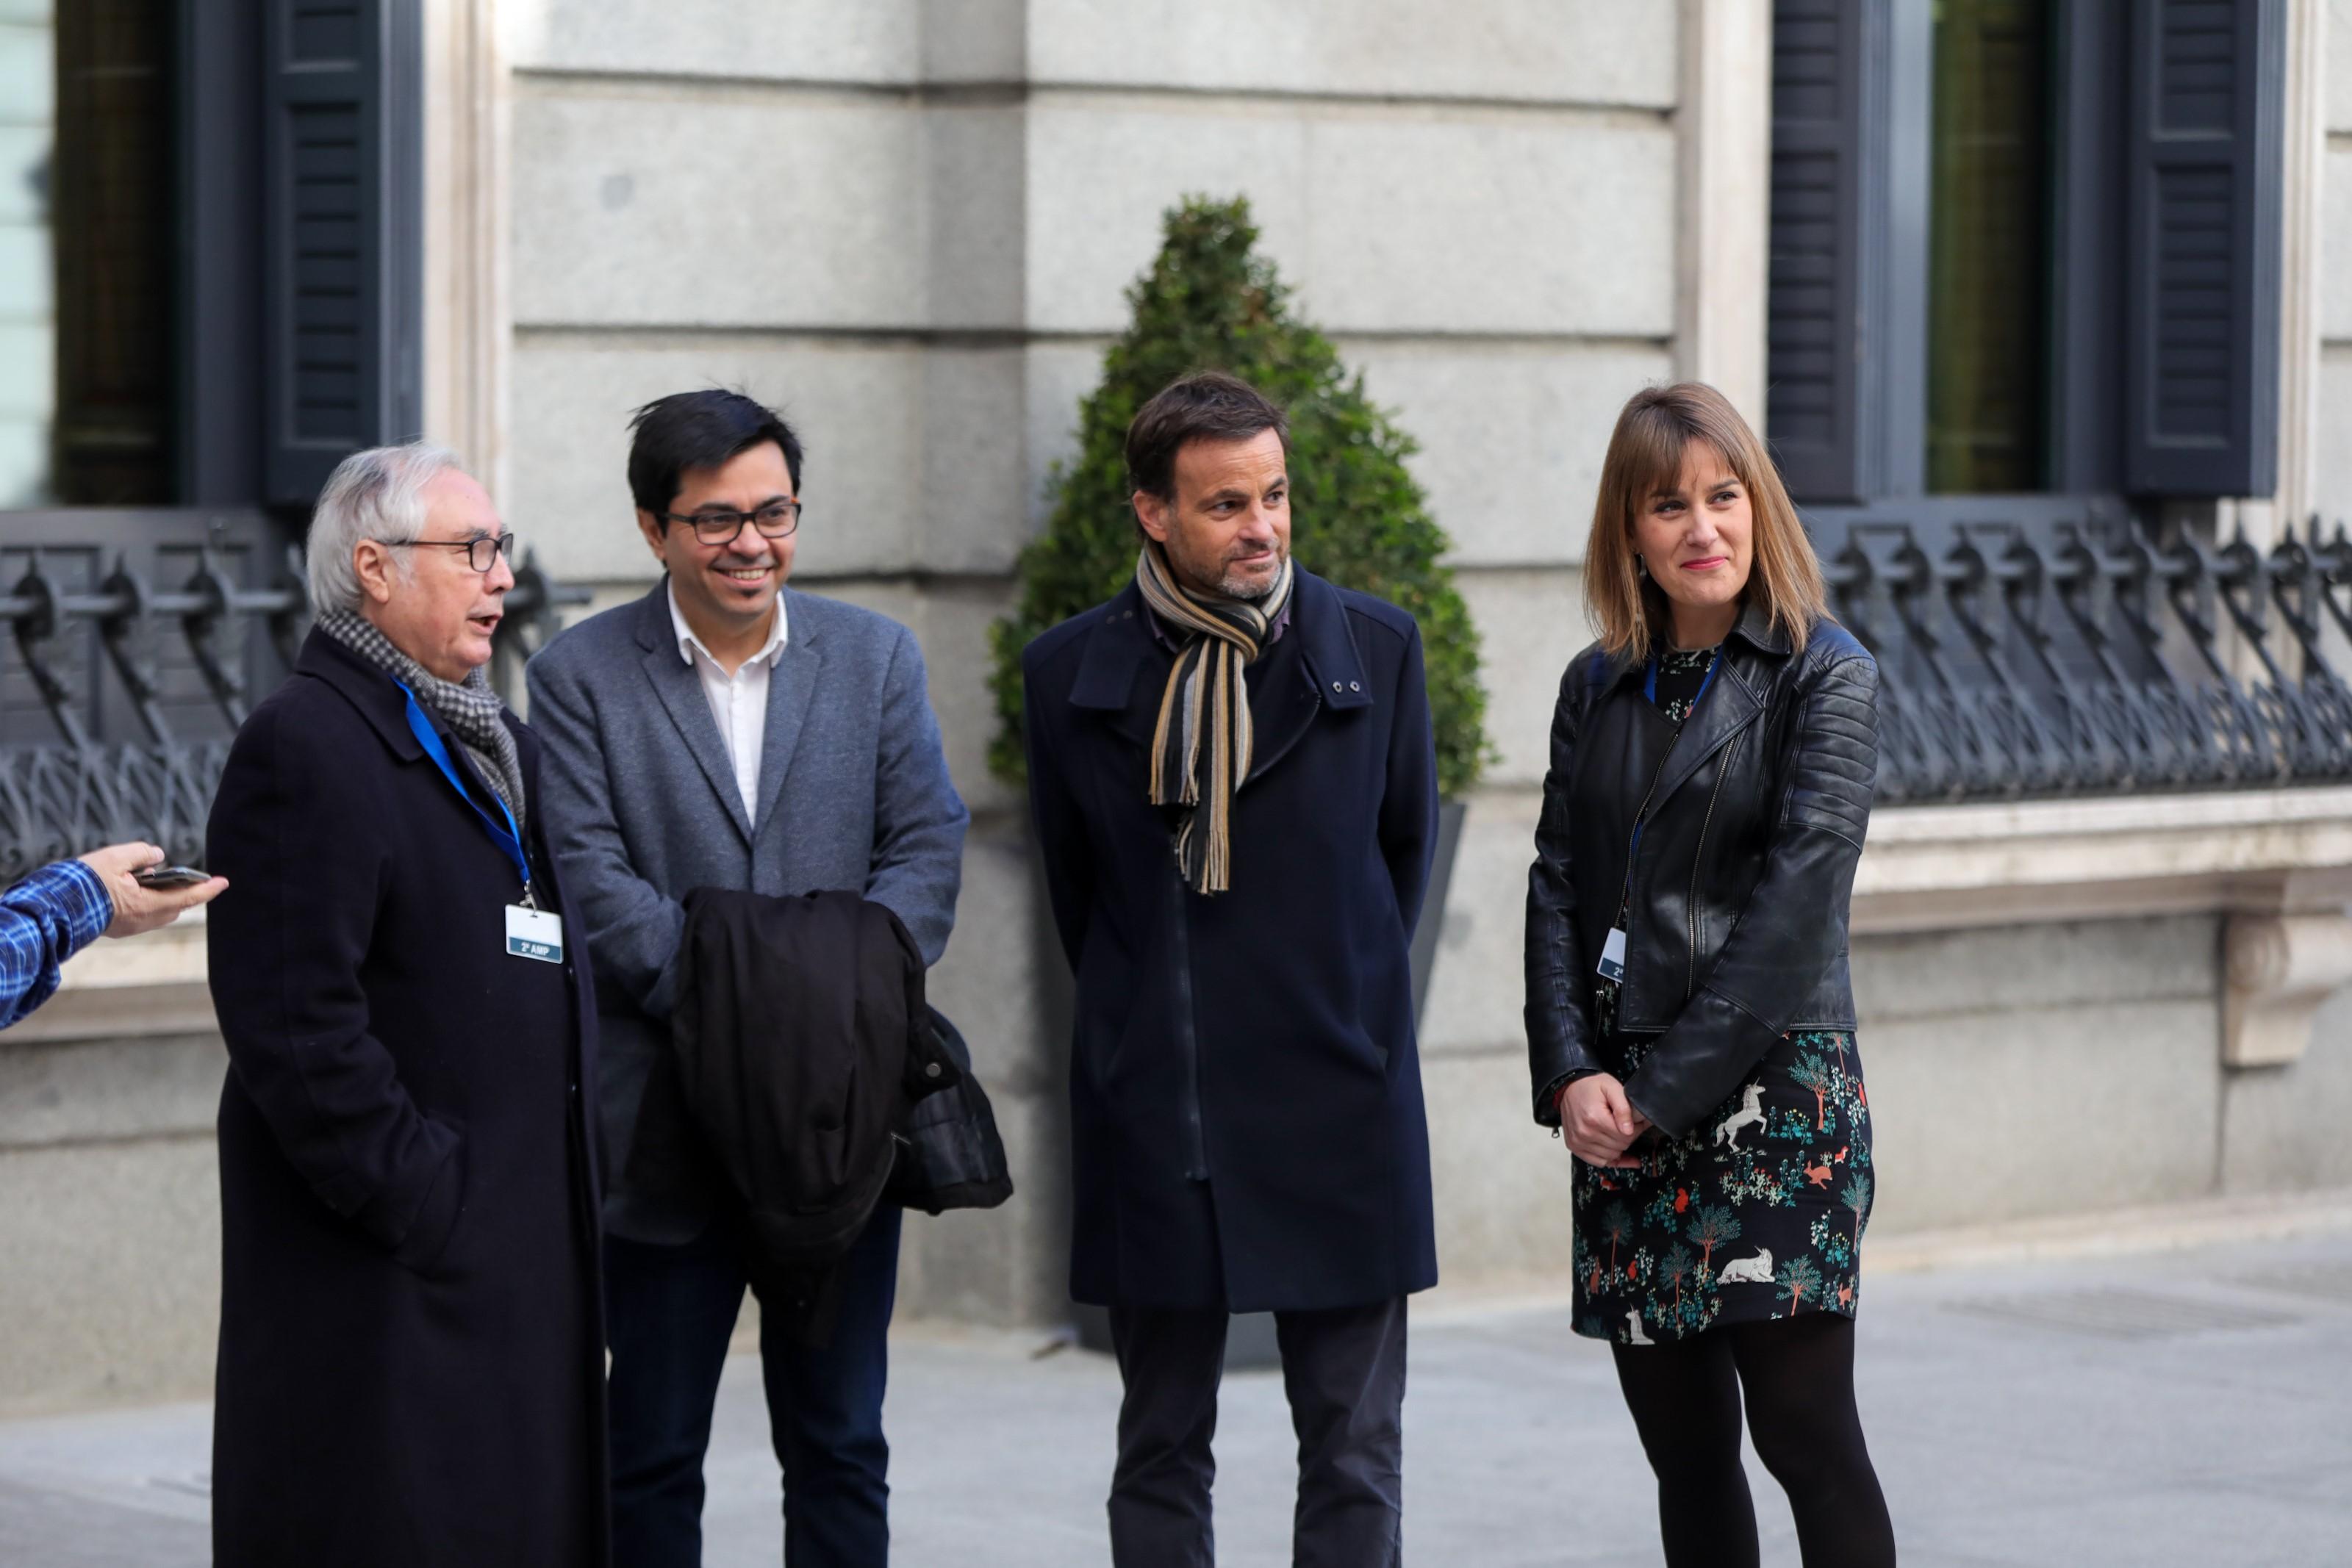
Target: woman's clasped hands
x=1599 y=1124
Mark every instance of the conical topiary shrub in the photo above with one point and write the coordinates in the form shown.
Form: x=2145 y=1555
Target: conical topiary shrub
x=1209 y=303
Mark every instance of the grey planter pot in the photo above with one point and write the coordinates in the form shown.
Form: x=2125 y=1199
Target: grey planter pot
x=1250 y=1344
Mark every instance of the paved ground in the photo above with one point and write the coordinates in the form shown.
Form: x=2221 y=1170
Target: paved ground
x=2184 y=1407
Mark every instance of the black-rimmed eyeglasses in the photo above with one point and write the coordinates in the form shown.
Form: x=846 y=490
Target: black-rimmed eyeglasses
x=775 y=521
x=481 y=553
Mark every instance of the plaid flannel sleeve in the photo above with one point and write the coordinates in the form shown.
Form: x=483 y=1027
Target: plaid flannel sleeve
x=45 y=919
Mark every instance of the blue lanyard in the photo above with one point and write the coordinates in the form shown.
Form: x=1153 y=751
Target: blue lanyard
x=1650 y=690
x=509 y=838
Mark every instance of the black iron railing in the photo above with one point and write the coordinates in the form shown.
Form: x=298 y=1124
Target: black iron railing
x=80 y=785
x=2097 y=654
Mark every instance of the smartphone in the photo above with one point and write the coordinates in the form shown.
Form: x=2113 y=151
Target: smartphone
x=170 y=876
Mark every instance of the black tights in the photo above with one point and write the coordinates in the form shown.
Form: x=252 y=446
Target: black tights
x=1797 y=1377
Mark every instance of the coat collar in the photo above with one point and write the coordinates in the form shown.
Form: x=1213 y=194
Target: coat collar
x=1116 y=648
x=378 y=698
x=688 y=644
x=1755 y=627
x=791 y=685
x=1121 y=648
x=365 y=687
x=1320 y=621
x=1733 y=699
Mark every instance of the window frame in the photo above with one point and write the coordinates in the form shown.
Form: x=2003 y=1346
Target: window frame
x=2104 y=222
x=231 y=368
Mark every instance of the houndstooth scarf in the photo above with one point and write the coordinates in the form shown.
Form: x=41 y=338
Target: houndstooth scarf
x=1201 y=747
x=469 y=709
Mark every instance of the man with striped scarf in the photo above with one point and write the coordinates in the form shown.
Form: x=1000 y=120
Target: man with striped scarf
x=1233 y=787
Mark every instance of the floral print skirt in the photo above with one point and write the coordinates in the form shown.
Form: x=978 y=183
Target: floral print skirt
x=1757 y=1213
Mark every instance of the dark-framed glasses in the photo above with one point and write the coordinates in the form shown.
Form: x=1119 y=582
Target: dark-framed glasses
x=481 y=553
x=774 y=521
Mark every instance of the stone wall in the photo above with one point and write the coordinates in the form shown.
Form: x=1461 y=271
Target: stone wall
x=110 y=1193
x=2015 y=1072
x=2041 y=1069
x=911 y=226
x=2283 y=1128
x=112 y=1232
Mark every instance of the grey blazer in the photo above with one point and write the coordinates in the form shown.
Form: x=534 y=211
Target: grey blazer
x=642 y=807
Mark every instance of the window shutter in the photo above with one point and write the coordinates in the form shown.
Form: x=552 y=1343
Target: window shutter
x=1815 y=338
x=2202 y=206
x=340 y=304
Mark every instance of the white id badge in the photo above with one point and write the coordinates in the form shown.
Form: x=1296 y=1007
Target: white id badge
x=1613 y=957
x=534 y=934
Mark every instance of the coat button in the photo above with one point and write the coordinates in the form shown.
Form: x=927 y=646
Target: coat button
x=1335 y=685
x=930 y=1069
x=1354 y=687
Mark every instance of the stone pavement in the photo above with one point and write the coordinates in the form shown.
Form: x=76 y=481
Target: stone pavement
x=2184 y=1407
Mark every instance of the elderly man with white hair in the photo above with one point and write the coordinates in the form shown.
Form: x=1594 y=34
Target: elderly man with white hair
x=411 y=1348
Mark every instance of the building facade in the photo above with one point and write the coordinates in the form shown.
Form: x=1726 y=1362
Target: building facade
x=2036 y=301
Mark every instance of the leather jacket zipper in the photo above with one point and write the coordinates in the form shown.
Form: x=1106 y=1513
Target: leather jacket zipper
x=1699 y=860
x=1641 y=817
x=1196 y=1151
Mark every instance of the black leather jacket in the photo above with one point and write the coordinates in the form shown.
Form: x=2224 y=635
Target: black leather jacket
x=1737 y=925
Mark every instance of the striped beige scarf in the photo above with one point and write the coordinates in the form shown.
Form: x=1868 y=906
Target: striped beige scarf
x=1201 y=747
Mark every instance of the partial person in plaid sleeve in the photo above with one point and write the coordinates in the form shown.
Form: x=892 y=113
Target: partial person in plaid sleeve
x=64 y=906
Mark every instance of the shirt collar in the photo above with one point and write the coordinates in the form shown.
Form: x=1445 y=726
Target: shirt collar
x=689 y=645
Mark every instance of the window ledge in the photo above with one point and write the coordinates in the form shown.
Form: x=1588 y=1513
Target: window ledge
x=1927 y=868
x=148 y=985
x=2011 y=862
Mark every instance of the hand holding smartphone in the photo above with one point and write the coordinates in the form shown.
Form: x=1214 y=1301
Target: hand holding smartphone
x=160 y=875
x=146 y=890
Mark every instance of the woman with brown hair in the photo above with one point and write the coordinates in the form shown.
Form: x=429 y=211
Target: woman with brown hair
x=1690 y=1021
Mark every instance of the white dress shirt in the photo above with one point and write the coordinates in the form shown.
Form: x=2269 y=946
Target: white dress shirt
x=738 y=703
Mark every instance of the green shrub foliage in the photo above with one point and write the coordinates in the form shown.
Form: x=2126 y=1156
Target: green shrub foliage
x=1210 y=302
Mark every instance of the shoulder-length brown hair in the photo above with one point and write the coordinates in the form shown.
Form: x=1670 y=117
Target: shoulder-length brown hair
x=1645 y=457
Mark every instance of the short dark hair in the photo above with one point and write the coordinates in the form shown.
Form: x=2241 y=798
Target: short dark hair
x=686 y=431
x=1209 y=406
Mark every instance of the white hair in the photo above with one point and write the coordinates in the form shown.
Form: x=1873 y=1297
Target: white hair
x=378 y=494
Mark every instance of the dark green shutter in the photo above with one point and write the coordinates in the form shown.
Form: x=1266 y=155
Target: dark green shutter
x=2203 y=217
x=1815 y=338
x=341 y=303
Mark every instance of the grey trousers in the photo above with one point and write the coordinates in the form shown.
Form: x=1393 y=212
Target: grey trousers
x=1344 y=1373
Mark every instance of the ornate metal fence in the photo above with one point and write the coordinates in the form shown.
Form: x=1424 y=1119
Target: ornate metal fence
x=2082 y=653
x=2097 y=654
x=138 y=727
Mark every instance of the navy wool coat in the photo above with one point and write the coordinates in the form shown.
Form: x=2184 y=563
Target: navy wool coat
x=1246 y=1104
x=412 y=1359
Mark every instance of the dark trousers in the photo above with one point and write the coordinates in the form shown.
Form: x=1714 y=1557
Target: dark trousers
x=1344 y=1373
x=669 y=1312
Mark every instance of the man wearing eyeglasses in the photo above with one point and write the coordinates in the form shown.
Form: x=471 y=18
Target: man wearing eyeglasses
x=728 y=732
x=410 y=1363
